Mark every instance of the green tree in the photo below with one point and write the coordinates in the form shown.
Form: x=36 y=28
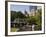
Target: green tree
x=37 y=19
x=15 y=14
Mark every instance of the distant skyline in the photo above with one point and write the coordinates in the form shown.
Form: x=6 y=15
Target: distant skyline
x=21 y=8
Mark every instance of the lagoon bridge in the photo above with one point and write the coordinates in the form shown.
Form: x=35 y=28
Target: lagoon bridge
x=23 y=24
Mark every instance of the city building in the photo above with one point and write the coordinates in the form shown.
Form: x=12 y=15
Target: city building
x=32 y=10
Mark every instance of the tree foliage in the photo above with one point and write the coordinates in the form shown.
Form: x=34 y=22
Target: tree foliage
x=18 y=14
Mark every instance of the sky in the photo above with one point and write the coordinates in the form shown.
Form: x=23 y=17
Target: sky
x=21 y=8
